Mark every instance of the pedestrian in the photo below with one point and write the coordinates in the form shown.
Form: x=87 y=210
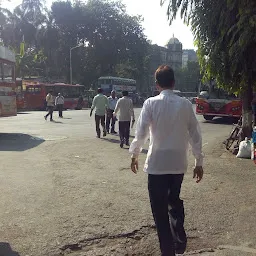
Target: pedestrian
x=112 y=100
x=172 y=124
x=59 y=103
x=50 y=105
x=100 y=103
x=125 y=106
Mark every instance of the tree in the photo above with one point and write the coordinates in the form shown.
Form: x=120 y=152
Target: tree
x=225 y=34
x=115 y=42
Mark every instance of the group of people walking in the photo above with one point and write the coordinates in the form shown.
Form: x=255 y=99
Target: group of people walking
x=170 y=123
x=51 y=102
x=109 y=110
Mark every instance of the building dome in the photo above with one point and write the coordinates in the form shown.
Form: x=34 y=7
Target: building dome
x=173 y=40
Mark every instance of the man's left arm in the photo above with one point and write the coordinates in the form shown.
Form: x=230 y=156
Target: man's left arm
x=93 y=105
x=117 y=108
x=195 y=139
x=141 y=134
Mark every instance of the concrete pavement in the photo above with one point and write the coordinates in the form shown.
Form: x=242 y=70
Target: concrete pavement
x=66 y=192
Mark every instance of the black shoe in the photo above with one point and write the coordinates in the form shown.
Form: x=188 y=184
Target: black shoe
x=127 y=143
x=121 y=145
x=98 y=135
x=104 y=134
x=180 y=248
x=45 y=117
x=51 y=120
x=113 y=132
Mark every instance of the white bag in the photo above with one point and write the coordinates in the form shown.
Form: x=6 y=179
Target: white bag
x=244 y=149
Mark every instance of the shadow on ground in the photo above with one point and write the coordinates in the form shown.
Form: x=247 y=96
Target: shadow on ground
x=23 y=113
x=111 y=140
x=18 y=142
x=6 y=250
x=225 y=121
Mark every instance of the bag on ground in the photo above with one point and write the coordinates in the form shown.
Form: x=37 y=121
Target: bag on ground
x=244 y=149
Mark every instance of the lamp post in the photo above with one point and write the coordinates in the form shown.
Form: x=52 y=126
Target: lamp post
x=70 y=60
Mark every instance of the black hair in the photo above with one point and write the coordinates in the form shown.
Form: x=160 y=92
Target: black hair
x=165 y=76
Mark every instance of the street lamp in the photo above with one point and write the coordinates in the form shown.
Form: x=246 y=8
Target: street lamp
x=70 y=60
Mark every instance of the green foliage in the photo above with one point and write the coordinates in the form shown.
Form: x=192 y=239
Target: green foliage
x=115 y=40
x=225 y=34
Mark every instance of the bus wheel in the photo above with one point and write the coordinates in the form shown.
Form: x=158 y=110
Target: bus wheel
x=208 y=118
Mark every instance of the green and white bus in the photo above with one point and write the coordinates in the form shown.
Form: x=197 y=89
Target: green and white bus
x=118 y=84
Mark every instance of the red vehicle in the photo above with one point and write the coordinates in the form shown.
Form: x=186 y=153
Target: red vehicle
x=34 y=95
x=214 y=101
x=7 y=83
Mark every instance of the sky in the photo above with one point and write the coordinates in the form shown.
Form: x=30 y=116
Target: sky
x=157 y=28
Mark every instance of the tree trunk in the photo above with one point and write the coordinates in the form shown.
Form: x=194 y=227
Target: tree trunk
x=247 y=96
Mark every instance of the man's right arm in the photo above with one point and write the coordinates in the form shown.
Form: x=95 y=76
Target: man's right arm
x=142 y=130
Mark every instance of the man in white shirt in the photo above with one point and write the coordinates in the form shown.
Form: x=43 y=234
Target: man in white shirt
x=171 y=124
x=50 y=105
x=112 y=100
x=59 y=103
x=125 y=106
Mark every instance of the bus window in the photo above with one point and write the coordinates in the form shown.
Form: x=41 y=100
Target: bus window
x=37 y=89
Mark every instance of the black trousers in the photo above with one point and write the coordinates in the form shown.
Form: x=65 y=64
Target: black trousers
x=168 y=211
x=60 y=109
x=50 y=111
x=124 y=130
x=100 y=120
x=112 y=119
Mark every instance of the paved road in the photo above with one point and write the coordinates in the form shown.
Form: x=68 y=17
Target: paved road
x=66 y=192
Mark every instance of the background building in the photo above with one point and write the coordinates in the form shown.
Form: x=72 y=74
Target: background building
x=188 y=55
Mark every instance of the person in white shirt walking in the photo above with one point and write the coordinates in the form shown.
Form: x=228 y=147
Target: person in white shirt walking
x=100 y=102
x=170 y=122
x=125 y=106
x=50 y=105
x=59 y=103
x=112 y=100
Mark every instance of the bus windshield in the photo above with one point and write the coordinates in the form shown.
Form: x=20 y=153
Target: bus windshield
x=214 y=92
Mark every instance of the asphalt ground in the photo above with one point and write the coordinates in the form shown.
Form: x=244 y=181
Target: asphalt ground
x=65 y=192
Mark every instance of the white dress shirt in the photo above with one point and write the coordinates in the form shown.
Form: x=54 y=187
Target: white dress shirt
x=59 y=100
x=112 y=102
x=171 y=123
x=125 y=107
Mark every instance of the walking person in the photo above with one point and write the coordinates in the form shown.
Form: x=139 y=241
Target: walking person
x=125 y=107
x=50 y=105
x=172 y=124
x=59 y=103
x=100 y=103
x=112 y=100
